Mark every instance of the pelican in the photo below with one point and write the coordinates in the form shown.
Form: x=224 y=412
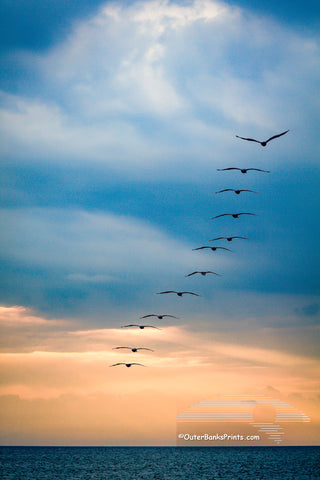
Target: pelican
x=179 y=293
x=234 y=215
x=127 y=364
x=263 y=144
x=212 y=248
x=237 y=192
x=229 y=239
x=140 y=326
x=160 y=317
x=243 y=170
x=203 y=273
x=133 y=349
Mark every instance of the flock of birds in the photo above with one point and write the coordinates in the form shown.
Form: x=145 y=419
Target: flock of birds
x=213 y=248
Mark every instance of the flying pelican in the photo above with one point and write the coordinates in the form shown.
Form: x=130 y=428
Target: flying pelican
x=212 y=248
x=127 y=364
x=227 y=238
x=234 y=215
x=263 y=144
x=243 y=170
x=179 y=293
x=235 y=191
x=140 y=326
x=203 y=273
x=133 y=349
x=160 y=317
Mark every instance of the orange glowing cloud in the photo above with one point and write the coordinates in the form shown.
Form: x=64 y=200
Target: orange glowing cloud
x=65 y=366
x=16 y=315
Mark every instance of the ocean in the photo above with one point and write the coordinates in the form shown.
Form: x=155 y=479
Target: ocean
x=159 y=463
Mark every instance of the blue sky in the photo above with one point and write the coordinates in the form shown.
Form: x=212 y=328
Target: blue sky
x=114 y=120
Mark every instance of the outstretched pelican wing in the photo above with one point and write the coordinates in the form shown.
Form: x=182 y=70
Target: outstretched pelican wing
x=249 y=139
x=276 y=136
x=222 y=215
x=229 y=168
x=191 y=293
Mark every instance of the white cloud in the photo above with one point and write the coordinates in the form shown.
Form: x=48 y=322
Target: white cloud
x=34 y=128
x=94 y=247
x=145 y=84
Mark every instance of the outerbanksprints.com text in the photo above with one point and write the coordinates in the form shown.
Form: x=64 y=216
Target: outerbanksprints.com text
x=223 y=436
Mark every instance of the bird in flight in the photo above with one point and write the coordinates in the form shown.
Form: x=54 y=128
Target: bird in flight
x=234 y=215
x=263 y=144
x=242 y=170
x=203 y=273
x=212 y=248
x=179 y=293
x=237 y=192
x=133 y=349
x=160 y=317
x=229 y=239
x=140 y=326
x=127 y=364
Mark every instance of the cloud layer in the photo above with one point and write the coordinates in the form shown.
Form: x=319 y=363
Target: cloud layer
x=145 y=85
x=52 y=367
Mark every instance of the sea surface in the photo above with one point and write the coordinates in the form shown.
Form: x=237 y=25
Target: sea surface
x=161 y=463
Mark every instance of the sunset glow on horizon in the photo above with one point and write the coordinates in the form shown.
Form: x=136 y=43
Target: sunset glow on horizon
x=185 y=367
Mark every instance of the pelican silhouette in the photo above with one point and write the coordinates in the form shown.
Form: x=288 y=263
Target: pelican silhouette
x=242 y=170
x=127 y=364
x=140 y=326
x=229 y=239
x=160 y=317
x=212 y=248
x=237 y=192
x=203 y=273
x=133 y=349
x=263 y=144
x=179 y=293
x=234 y=215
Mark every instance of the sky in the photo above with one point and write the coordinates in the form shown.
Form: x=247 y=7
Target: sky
x=114 y=118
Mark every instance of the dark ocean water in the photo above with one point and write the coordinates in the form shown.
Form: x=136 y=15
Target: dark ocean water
x=161 y=463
